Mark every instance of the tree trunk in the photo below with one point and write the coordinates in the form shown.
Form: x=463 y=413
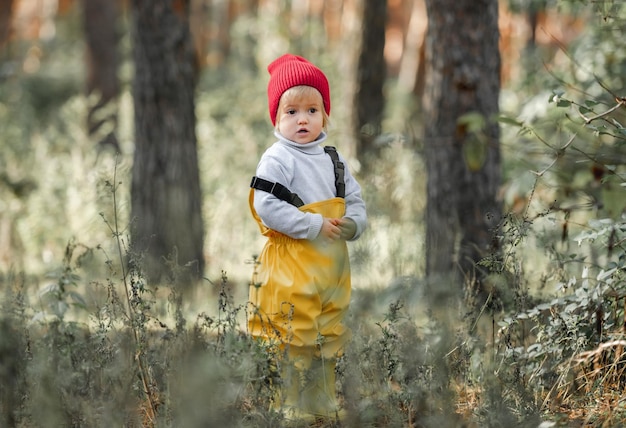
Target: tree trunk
x=6 y=15
x=100 y=18
x=461 y=134
x=371 y=71
x=165 y=193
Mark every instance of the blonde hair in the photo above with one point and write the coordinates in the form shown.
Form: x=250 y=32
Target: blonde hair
x=303 y=91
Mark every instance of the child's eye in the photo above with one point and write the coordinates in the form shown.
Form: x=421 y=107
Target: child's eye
x=312 y=110
x=291 y=111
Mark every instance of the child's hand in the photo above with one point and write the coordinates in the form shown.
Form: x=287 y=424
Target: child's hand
x=347 y=227
x=330 y=230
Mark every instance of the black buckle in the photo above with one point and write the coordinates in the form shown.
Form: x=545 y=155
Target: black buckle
x=276 y=189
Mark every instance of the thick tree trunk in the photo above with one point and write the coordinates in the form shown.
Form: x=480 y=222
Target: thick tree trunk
x=165 y=194
x=100 y=19
x=461 y=134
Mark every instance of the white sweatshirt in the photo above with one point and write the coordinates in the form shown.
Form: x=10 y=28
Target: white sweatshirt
x=308 y=171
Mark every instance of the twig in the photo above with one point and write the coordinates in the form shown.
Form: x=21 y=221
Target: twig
x=620 y=103
x=139 y=354
x=559 y=153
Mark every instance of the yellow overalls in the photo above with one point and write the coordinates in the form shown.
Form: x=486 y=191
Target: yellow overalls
x=302 y=290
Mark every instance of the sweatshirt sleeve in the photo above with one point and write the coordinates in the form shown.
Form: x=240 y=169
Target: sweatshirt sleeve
x=279 y=215
x=355 y=206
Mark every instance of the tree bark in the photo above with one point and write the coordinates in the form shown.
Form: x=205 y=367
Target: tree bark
x=371 y=72
x=165 y=193
x=461 y=134
x=100 y=18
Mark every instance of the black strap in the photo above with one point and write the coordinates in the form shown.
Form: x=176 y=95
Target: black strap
x=278 y=190
x=284 y=194
x=340 y=183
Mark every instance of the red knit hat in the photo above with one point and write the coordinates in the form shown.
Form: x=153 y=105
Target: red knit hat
x=290 y=70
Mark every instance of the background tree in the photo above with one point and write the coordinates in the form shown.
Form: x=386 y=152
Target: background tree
x=165 y=192
x=100 y=20
x=5 y=21
x=370 y=78
x=461 y=134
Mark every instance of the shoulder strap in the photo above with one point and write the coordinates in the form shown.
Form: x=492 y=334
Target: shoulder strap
x=340 y=183
x=278 y=190
x=284 y=194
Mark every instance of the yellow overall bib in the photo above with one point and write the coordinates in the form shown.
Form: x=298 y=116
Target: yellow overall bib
x=302 y=290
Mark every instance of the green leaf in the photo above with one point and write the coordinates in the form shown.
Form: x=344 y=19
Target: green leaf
x=563 y=103
x=543 y=306
x=78 y=299
x=509 y=121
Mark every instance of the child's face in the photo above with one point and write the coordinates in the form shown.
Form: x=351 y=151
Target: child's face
x=300 y=115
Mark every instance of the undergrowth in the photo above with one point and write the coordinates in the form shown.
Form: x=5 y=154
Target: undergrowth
x=116 y=351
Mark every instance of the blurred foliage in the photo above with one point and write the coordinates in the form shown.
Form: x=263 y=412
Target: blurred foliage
x=553 y=150
x=559 y=288
x=48 y=153
x=566 y=185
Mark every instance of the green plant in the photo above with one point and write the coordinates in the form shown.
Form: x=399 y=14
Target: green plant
x=58 y=297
